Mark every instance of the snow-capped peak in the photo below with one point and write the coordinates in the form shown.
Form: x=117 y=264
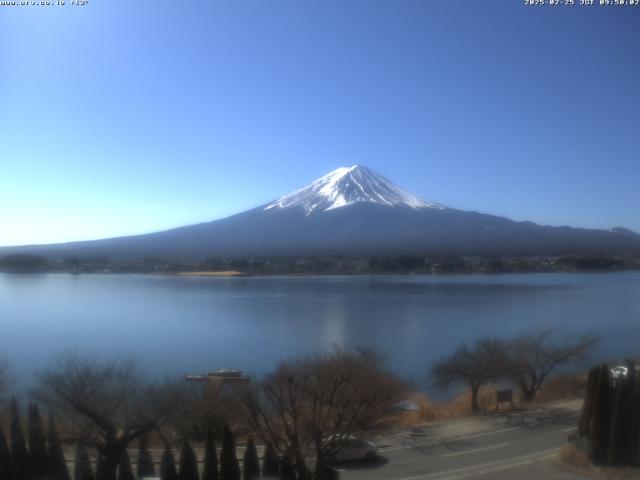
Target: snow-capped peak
x=347 y=186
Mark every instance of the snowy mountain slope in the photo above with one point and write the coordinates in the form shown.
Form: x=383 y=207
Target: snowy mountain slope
x=351 y=211
x=347 y=186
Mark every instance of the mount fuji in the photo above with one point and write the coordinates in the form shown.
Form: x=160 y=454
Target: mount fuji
x=351 y=211
x=348 y=186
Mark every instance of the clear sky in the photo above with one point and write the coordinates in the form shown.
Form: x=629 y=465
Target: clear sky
x=123 y=117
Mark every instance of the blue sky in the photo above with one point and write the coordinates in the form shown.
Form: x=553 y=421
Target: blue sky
x=126 y=117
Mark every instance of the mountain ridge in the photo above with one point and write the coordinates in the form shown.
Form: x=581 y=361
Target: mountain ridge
x=351 y=211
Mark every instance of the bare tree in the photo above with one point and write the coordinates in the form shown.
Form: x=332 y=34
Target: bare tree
x=107 y=404
x=474 y=366
x=315 y=404
x=198 y=409
x=533 y=356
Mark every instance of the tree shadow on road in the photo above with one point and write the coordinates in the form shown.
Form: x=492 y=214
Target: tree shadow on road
x=363 y=463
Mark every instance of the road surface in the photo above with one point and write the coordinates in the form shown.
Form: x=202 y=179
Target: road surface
x=522 y=446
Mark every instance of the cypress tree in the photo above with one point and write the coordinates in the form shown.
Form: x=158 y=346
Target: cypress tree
x=250 y=462
x=125 y=471
x=635 y=444
x=616 y=448
x=37 y=444
x=632 y=421
x=6 y=467
x=19 y=452
x=229 y=467
x=188 y=462
x=622 y=447
x=168 y=465
x=288 y=470
x=210 y=468
x=600 y=431
x=83 y=469
x=587 y=407
x=99 y=467
x=145 y=466
x=57 y=463
x=270 y=462
x=632 y=454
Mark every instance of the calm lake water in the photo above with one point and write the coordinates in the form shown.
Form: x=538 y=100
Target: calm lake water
x=178 y=325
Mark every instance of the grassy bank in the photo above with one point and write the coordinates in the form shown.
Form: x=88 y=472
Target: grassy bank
x=564 y=387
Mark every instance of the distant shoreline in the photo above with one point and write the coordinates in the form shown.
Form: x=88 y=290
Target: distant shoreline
x=234 y=274
x=329 y=265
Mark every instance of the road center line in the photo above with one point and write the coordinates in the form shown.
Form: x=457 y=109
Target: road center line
x=568 y=429
x=491 y=447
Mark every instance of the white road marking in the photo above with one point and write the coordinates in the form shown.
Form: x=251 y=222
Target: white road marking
x=568 y=429
x=491 y=447
x=517 y=461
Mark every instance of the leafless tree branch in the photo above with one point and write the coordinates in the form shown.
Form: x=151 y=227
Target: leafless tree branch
x=315 y=404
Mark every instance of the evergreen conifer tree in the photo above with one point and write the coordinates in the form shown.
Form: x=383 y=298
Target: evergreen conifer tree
x=57 y=463
x=632 y=450
x=83 y=469
x=270 y=462
x=615 y=451
x=229 y=467
x=288 y=470
x=600 y=430
x=210 y=468
x=168 y=465
x=635 y=428
x=19 y=452
x=37 y=444
x=145 y=467
x=250 y=463
x=6 y=470
x=622 y=447
x=125 y=471
x=188 y=462
x=100 y=474
x=587 y=407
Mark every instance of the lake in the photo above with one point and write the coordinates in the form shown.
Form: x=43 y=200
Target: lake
x=178 y=325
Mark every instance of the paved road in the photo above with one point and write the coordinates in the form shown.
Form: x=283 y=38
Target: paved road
x=493 y=447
